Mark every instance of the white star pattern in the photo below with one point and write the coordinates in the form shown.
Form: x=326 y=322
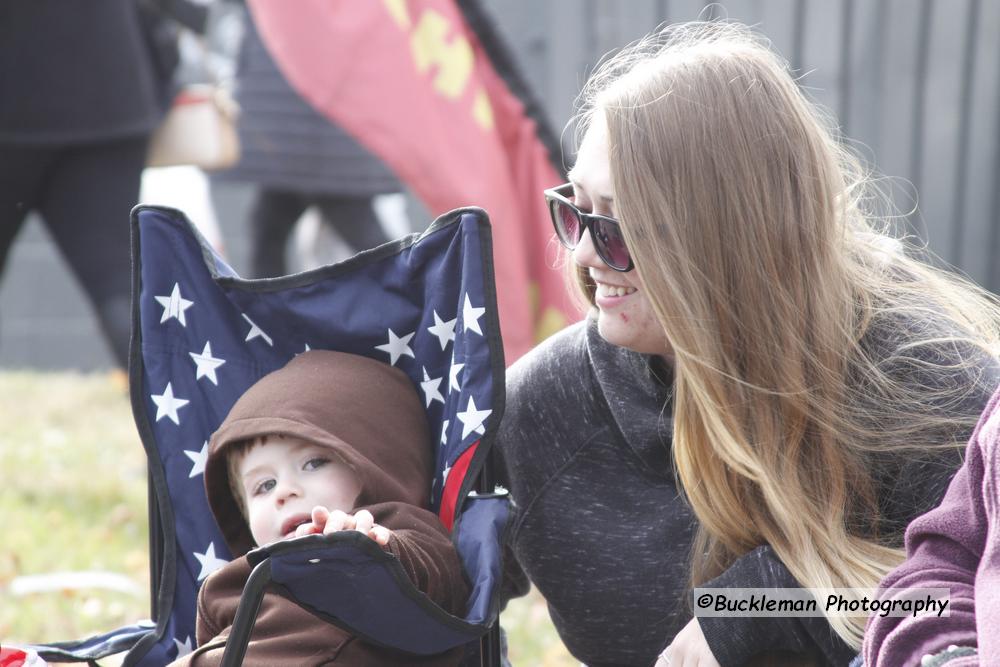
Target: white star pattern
x=470 y=316
x=445 y=331
x=413 y=280
x=174 y=305
x=453 y=375
x=199 y=459
x=432 y=391
x=183 y=647
x=167 y=405
x=206 y=364
x=397 y=347
x=472 y=419
x=209 y=562
x=257 y=332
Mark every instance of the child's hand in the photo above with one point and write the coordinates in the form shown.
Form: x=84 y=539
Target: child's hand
x=325 y=521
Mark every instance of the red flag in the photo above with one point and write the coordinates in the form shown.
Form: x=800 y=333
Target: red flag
x=413 y=84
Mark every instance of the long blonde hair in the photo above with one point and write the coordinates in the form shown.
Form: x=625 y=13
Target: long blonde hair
x=749 y=223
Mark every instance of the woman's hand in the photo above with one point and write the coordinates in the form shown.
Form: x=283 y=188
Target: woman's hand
x=325 y=521
x=689 y=649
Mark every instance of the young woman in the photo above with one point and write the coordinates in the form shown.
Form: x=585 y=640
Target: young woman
x=767 y=388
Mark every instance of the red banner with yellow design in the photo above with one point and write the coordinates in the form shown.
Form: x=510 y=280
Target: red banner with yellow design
x=412 y=82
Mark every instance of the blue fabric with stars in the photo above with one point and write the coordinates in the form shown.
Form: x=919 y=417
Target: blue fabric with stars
x=201 y=336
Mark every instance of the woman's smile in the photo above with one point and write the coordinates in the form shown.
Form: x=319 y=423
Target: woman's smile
x=609 y=296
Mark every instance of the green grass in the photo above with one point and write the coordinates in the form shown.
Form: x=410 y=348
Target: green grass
x=73 y=498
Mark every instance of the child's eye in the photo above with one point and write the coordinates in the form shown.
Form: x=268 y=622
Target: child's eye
x=264 y=487
x=315 y=463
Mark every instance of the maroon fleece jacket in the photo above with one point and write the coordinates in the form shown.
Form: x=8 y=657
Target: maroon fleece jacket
x=954 y=546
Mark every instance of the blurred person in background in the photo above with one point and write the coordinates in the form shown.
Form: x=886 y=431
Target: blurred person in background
x=298 y=159
x=80 y=94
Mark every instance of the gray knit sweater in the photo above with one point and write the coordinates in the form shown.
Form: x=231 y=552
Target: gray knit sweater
x=601 y=530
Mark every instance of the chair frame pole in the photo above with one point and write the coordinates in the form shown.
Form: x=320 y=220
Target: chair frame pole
x=489 y=646
x=246 y=614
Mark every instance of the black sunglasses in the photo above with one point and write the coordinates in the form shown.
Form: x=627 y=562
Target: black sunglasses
x=570 y=224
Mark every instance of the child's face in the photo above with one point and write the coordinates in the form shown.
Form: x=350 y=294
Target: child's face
x=284 y=478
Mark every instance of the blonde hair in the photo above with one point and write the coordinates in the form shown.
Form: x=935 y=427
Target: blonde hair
x=235 y=453
x=747 y=220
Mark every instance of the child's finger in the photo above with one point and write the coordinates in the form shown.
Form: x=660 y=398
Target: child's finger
x=364 y=521
x=319 y=516
x=307 y=529
x=336 y=521
x=380 y=534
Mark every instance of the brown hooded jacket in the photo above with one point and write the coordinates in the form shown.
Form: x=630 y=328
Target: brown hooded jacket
x=370 y=415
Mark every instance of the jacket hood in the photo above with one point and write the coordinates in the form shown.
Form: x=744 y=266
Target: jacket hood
x=366 y=411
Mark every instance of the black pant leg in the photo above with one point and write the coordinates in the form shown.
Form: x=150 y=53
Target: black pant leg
x=22 y=172
x=272 y=218
x=88 y=195
x=354 y=219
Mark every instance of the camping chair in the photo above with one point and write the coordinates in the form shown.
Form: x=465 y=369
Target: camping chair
x=202 y=336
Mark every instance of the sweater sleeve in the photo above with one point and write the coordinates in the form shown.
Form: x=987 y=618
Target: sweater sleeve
x=218 y=599
x=907 y=486
x=514 y=580
x=943 y=550
x=426 y=553
x=536 y=391
x=733 y=640
x=736 y=639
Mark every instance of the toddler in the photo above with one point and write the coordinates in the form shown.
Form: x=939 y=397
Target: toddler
x=330 y=442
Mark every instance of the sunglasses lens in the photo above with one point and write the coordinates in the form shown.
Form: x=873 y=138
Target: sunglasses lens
x=610 y=244
x=567 y=224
